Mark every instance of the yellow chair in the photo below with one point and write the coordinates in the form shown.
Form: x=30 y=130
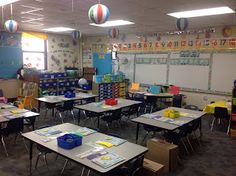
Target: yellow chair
x=24 y=100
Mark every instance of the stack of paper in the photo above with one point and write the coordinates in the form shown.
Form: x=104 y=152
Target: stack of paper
x=84 y=131
x=114 y=140
x=48 y=132
x=108 y=160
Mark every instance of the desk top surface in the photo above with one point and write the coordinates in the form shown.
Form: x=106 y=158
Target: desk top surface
x=127 y=150
x=99 y=107
x=160 y=95
x=186 y=116
x=8 y=112
x=61 y=98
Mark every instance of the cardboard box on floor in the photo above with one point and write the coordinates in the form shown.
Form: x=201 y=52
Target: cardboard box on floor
x=164 y=153
x=151 y=168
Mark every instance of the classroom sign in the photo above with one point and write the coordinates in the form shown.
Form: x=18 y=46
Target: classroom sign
x=179 y=45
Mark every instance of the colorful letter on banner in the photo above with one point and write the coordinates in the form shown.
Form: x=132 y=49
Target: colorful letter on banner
x=134 y=47
x=145 y=46
x=150 y=46
x=139 y=47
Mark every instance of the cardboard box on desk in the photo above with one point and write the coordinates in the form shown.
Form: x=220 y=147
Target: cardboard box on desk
x=151 y=168
x=162 y=152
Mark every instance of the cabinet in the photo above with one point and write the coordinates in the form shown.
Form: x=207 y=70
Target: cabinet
x=110 y=90
x=233 y=113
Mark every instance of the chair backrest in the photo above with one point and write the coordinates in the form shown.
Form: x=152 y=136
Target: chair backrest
x=177 y=101
x=116 y=114
x=221 y=112
x=135 y=86
x=151 y=100
x=136 y=165
x=191 y=107
x=138 y=97
x=69 y=105
x=174 y=90
x=15 y=126
x=154 y=89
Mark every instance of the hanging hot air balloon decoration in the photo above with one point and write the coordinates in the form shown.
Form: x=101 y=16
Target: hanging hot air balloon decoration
x=113 y=33
x=11 y=25
x=75 y=36
x=182 y=24
x=98 y=13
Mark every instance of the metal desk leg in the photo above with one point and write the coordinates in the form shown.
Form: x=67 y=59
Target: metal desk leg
x=79 y=116
x=39 y=106
x=137 y=131
x=200 y=127
x=30 y=157
x=98 y=123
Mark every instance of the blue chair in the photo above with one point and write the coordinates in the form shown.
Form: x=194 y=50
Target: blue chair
x=153 y=89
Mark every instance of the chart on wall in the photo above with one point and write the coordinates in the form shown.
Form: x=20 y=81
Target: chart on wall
x=126 y=64
x=151 y=68
x=189 y=69
x=223 y=71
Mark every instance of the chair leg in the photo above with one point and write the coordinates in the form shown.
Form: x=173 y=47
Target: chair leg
x=212 y=124
x=73 y=116
x=198 y=140
x=65 y=164
x=185 y=147
x=82 y=173
x=37 y=160
x=60 y=115
x=189 y=143
x=88 y=173
x=146 y=135
x=45 y=159
x=4 y=146
x=228 y=127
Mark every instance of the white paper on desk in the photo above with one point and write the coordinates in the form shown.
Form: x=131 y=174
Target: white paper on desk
x=151 y=116
x=194 y=116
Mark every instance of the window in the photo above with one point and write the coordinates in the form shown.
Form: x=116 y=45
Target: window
x=34 y=52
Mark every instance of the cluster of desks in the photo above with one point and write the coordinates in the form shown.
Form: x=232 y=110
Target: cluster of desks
x=127 y=150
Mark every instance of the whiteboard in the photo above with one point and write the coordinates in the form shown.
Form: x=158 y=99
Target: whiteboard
x=223 y=71
x=127 y=67
x=189 y=72
x=151 y=72
x=189 y=76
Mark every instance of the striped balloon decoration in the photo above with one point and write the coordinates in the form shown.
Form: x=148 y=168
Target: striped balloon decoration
x=76 y=35
x=182 y=24
x=98 y=13
x=113 y=33
x=11 y=26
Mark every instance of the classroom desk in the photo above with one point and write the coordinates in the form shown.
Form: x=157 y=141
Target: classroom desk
x=165 y=125
x=6 y=114
x=128 y=150
x=99 y=107
x=51 y=101
x=160 y=95
x=210 y=108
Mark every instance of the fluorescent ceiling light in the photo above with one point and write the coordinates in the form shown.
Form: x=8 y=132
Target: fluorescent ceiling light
x=113 y=23
x=59 y=29
x=5 y=2
x=202 y=12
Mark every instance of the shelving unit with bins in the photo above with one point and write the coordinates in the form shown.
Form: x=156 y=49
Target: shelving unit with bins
x=110 y=90
x=233 y=113
x=57 y=83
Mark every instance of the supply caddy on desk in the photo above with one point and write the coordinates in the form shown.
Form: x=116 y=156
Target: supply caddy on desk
x=69 y=141
x=111 y=102
x=171 y=113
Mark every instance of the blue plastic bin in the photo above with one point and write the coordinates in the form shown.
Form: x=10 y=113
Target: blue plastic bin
x=69 y=141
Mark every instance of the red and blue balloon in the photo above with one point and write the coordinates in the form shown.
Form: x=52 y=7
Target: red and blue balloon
x=113 y=33
x=98 y=13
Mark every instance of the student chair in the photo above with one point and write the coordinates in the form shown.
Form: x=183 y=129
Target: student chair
x=150 y=104
x=67 y=106
x=177 y=101
x=135 y=86
x=114 y=115
x=153 y=89
x=174 y=90
x=29 y=122
x=221 y=113
x=132 y=110
x=14 y=126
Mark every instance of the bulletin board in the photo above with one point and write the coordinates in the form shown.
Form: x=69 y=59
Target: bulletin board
x=223 y=71
x=11 y=54
x=151 y=68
